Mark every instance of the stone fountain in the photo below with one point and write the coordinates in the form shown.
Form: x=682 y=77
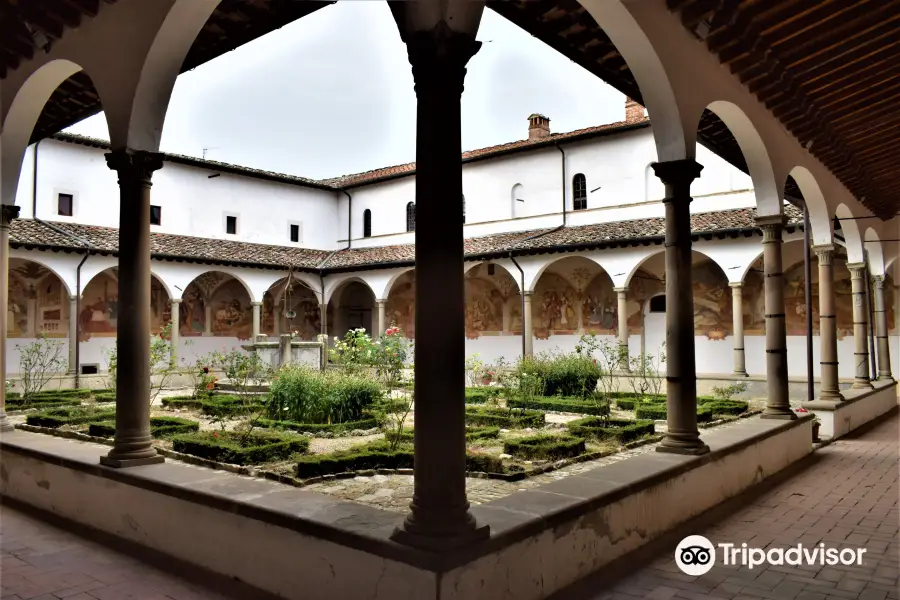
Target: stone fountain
x=286 y=349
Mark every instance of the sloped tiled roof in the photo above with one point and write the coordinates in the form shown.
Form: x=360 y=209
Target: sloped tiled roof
x=28 y=233
x=346 y=181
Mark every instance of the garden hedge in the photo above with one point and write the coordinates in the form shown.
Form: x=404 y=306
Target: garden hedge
x=159 y=426
x=75 y=393
x=628 y=403
x=726 y=407
x=225 y=446
x=563 y=375
x=659 y=412
x=379 y=455
x=367 y=423
x=501 y=417
x=621 y=430
x=472 y=433
x=545 y=447
x=218 y=405
x=480 y=395
x=57 y=417
x=572 y=404
x=43 y=403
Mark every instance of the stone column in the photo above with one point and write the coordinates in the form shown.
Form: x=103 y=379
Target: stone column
x=31 y=315
x=382 y=316
x=737 y=319
x=323 y=317
x=132 y=444
x=256 y=308
x=439 y=516
x=527 y=327
x=507 y=315
x=175 y=310
x=860 y=326
x=207 y=318
x=8 y=212
x=578 y=307
x=830 y=389
x=778 y=405
x=881 y=332
x=276 y=317
x=622 y=319
x=73 y=332
x=682 y=436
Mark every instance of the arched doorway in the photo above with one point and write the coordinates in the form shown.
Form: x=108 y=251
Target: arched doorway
x=289 y=305
x=352 y=306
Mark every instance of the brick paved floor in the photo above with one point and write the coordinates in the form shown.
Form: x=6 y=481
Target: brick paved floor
x=847 y=497
x=42 y=562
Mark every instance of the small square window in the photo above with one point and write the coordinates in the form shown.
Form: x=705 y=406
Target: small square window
x=65 y=204
x=155 y=215
x=231 y=225
x=295 y=233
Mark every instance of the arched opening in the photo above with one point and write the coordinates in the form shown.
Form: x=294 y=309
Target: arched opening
x=410 y=216
x=367 y=223
x=400 y=309
x=579 y=192
x=99 y=314
x=493 y=312
x=289 y=305
x=849 y=234
x=216 y=304
x=801 y=184
x=517 y=201
x=352 y=306
x=38 y=302
x=657 y=304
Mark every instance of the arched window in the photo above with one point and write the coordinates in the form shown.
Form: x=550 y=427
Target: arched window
x=516 y=197
x=464 y=208
x=579 y=190
x=411 y=216
x=367 y=223
x=658 y=304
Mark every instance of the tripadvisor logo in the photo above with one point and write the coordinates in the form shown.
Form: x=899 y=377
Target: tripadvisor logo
x=696 y=555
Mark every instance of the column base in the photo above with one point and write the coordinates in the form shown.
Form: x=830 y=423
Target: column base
x=779 y=413
x=830 y=396
x=5 y=425
x=741 y=374
x=688 y=446
x=124 y=463
x=887 y=377
x=862 y=385
x=440 y=542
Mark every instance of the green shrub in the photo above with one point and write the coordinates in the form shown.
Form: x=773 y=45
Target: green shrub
x=726 y=407
x=545 y=447
x=229 y=406
x=239 y=448
x=562 y=404
x=628 y=403
x=57 y=417
x=159 y=426
x=621 y=430
x=472 y=433
x=105 y=396
x=564 y=374
x=303 y=395
x=659 y=412
x=500 y=417
x=47 y=402
x=480 y=395
x=379 y=455
x=183 y=402
x=46 y=397
x=364 y=423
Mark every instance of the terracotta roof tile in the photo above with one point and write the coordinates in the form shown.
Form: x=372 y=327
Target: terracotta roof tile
x=30 y=233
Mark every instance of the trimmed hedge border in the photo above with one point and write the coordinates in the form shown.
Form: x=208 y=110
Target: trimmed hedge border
x=500 y=417
x=72 y=393
x=544 y=447
x=344 y=427
x=43 y=404
x=219 y=447
x=480 y=395
x=57 y=417
x=658 y=412
x=621 y=430
x=214 y=406
x=727 y=407
x=472 y=433
x=568 y=404
x=159 y=426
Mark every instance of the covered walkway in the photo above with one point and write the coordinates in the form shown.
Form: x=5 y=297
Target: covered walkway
x=844 y=495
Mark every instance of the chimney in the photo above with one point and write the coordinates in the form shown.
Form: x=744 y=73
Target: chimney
x=538 y=127
x=634 y=112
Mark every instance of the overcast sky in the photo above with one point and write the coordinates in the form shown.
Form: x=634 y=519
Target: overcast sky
x=332 y=93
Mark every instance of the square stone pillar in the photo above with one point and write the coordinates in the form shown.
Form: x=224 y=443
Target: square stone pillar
x=8 y=212
x=622 y=318
x=682 y=436
x=778 y=405
x=73 y=332
x=881 y=332
x=737 y=320
x=830 y=390
x=132 y=444
x=439 y=517
x=860 y=326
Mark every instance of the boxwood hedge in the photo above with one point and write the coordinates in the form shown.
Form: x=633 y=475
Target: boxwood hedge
x=57 y=417
x=501 y=417
x=621 y=430
x=480 y=395
x=546 y=447
x=159 y=426
x=226 y=446
x=472 y=433
x=572 y=404
x=726 y=407
x=659 y=412
x=366 y=423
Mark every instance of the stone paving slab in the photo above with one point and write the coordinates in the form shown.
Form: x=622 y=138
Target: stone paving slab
x=847 y=498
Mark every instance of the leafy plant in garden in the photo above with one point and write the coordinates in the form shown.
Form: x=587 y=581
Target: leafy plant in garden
x=162 y=363
x=729 y=391
x=39 y=361
x=246 y=372
x=303 y=395
x=203 y=378
x=478 y=372
x=392 y=417
x=647 y=378
x=354 y=352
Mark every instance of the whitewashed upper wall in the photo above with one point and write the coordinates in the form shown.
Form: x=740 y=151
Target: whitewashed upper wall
x=192 y=202
x=619 y=165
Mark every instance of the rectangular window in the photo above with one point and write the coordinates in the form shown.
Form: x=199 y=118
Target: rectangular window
x=65 y=204
x=155 y=215
x=295 y=233
x=92 y=369
x=231 y=225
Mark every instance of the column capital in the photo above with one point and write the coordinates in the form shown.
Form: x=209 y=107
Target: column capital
x=857 y=270
x=73 y=298
x=439 y=57
x=825 y=253
x=256 y=304
x=677 y=172
x=9 y=213
x=878 y=281
x=175 y=300
x=134 y=165
x=772 y=226
x=621 y=290
x=528 y=295
x=381 y=302
x=736 y=285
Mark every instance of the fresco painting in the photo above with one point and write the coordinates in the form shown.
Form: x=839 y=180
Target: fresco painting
x=401 y=305
x=222 y=300
x=99 y=312
x=37 y=301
